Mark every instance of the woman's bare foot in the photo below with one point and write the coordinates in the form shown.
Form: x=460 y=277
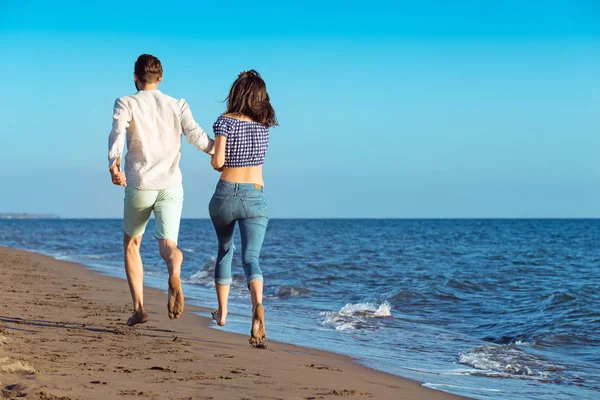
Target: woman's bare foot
x=219 y=316
x=175 y=303
x=137 y=318
x=258 y=334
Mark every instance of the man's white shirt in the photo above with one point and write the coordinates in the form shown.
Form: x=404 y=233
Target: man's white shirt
x=152 y=123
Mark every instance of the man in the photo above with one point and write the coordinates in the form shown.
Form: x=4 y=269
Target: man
x=152 y=122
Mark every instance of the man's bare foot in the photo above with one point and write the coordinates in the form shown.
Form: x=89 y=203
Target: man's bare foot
x=139 y=317
x=175 y=303
x=258 y=334
x=219 y=316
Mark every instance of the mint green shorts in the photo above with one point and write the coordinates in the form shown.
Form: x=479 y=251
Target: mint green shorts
x=166 y=204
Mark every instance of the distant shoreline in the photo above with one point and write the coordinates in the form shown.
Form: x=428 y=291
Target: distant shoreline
x=27 y=216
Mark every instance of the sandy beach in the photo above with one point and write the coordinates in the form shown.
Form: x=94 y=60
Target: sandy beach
x=63 y=336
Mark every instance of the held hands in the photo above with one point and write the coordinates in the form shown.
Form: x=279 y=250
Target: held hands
x=215 y=164
x=118 y=177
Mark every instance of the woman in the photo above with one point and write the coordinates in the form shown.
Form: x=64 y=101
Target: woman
x=241 y=141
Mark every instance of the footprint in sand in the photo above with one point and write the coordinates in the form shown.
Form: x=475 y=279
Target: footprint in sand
x=13 y=391
x=12 y=366
x=323 y=367
x=163 y=369
x=130 y=393
x=126 y=331
x=177 y=339
x=49 y=396
x=345 y=392
x=124 y=370
x=238 y=371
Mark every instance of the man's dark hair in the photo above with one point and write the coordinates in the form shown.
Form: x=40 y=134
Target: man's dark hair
x=148 y=68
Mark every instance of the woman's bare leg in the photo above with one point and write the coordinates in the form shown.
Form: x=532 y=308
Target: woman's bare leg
x=258 y=334
x=222 y=297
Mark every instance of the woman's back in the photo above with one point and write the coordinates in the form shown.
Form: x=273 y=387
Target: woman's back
x=245 y=148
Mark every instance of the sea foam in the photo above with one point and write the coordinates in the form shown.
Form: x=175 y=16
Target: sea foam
x=508 y=361
x=356 y=316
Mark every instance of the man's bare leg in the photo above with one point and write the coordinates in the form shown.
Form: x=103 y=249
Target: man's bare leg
x=135 y=277
x=174 y=258
x=258 y=333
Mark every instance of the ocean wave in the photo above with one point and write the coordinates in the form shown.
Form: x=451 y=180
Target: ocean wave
x=467 y=286
x=356 y=316
x=559 y=300
x=284 y=292
x=188 y=250
x=536 y=338
x=518 y=340
x=441 y=386
x=408 y=295
x=204 y=276
x=508 y=361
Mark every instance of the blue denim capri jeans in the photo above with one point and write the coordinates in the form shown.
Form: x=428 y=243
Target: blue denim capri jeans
x=246 y=204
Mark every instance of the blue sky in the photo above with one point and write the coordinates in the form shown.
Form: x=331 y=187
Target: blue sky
x=387 y=109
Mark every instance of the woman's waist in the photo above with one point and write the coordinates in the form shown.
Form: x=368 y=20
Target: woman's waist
x=243 y=175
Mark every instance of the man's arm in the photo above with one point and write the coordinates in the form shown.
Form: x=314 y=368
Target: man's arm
x=192 y=131
x=116 y=142
x=117 y=177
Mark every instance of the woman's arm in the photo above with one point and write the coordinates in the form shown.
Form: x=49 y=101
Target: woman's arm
x=218 y=159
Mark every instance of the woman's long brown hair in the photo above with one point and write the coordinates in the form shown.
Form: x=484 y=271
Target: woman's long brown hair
x=248 y=96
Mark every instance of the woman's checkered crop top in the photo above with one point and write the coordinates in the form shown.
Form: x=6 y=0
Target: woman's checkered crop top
x=247 y=141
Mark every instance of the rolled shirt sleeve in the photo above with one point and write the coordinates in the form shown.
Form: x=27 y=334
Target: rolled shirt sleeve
x=116 y=140
x=192 y=131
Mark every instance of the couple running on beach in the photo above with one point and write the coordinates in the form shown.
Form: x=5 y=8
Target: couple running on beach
x=152 y=123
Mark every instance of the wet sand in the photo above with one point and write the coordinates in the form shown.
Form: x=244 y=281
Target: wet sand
x=63 y=335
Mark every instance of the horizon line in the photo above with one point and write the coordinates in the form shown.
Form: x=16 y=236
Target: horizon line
x=56 y=217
